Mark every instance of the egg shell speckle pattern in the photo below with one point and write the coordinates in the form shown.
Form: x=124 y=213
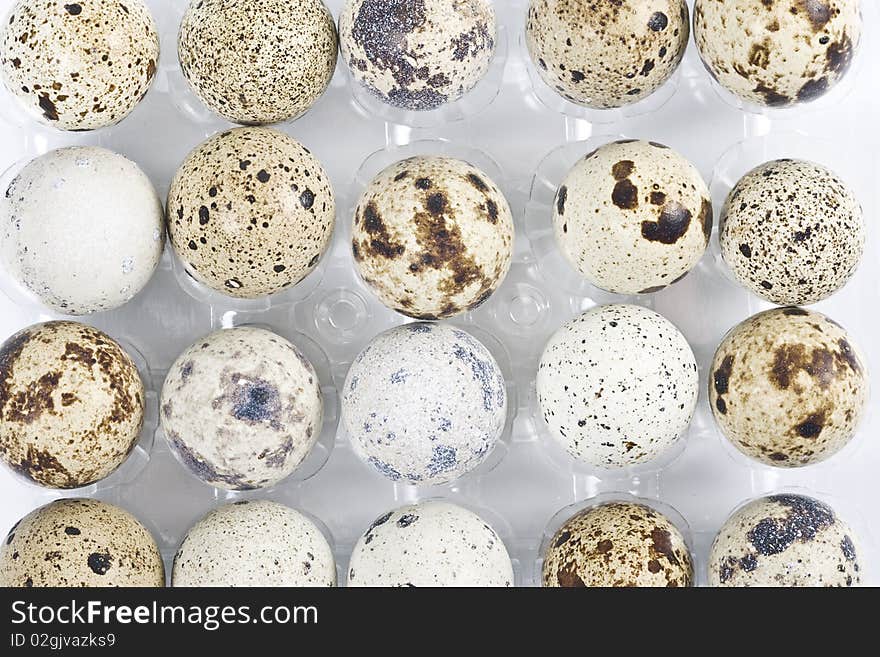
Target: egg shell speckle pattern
x=260 y=61
x=71 y=404
x=784 y=541
x=792 y=232
x=429 y=545
x=618 y=544
x=79 y=66
x=259 y=543
x=251 y=212
x=418 y=54
x=80 y=543
x=82 y=229
x=424 y=403
x=607 y=54
x=242 y=408
x=633 y=217
x=433 y=237
x=777 y=53
x=788 y=387
x=617 y=386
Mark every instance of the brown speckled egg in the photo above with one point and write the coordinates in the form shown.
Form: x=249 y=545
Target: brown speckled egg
x=71 y=404
x=242 y=408
x=633 y=217
x=777 y=53
x=784 y=541
x=788 y=387
x=433 y=544
x=79 y=66
x=607 y=54
x=418 y=54
x=792 y=232
x=254 y=543
x=433 y=237
x=258 y=62
x=80 y=543
x=618 y=544
x=250 y=212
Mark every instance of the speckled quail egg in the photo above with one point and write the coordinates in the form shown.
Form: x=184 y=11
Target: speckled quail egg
x=781 y=53
x=71 y=404
x=784 y=541
x=242 y=408
x=433 y=237
x=82 y=229
x=633 y=217
x=617 y=386
x=417 y=54
x=431 y=544
x=609 y=54
x=788 y=387
x=80 y=543
x=250 y=212
x=618 y=544
x=79 y=66
x=258 y=543
x=258 y=62
x=424 y=403
x=792 y=232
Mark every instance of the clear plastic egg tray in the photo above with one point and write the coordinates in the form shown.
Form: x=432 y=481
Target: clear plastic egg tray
x=525 y=138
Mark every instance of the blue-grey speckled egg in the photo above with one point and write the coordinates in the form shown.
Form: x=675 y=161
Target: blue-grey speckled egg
x=418 y=54
x=242 y=408
x=784 y=541
x=424 y=403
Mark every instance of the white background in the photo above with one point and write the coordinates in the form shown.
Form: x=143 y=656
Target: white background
x=522 y=494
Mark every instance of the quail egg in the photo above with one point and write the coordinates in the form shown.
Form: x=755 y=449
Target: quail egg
x=609 y=54
x=633 y=217
x=80 y=543
x=259 y=543
x=71 y=404
x=778 y=54
x=432 y=544
x=251 y=212
x=792 y=232
x=617 y=386
x=242 y=408
x=618 y=544
x=79 y=66
x=424 y=403
x=789 y=387
x=418 y=54
x=258 y=62
x=82 y=229
x=433 y=237
x=784 y=541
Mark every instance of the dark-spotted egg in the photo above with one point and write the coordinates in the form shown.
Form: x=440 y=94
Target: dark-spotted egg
x=633 y=217
x=778 y=53
x=788 y=387
x=242 y=408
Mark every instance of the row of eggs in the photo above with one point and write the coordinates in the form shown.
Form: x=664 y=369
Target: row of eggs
x=780 y=540
x=251 y=212
x=86 y=65
x=424 y=404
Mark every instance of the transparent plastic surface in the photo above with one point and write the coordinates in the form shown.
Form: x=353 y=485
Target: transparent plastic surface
x=524 y=143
